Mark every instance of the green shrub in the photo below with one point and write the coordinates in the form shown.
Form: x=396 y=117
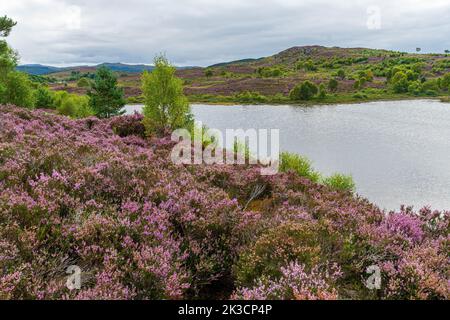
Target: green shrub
x=310 y=66
x=83 y=83
x=445 y=82
x=249 y=97
x=303 y=91
x=58 y=98
x=72 y=105
x=358 y=84
x=322 y=91
x=17 y=89
x=209 y=73
x=341 y=74
x=333 y=85
x=306 y=65
x=415 y=88
x=340 y=182
x=400 y=82
x=431 y=85
x=359 y=95
x=301 y=165
x=44 y=98
x=274 y=72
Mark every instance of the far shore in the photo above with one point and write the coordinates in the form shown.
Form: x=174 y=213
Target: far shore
x=311 y=102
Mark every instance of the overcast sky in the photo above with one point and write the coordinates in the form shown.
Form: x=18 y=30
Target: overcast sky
x=203 y=32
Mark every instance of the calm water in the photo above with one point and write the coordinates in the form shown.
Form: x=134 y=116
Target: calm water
x=398 y=152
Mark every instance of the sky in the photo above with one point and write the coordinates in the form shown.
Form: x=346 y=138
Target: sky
x=204 y=32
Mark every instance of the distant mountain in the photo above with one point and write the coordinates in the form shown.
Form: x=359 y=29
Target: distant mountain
x=224 y=64
x=122 y=67
x=38 y=69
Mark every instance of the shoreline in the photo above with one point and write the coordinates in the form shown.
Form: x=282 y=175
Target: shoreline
x=312 y=103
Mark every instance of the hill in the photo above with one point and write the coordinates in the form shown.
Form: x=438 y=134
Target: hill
x=359 y=74
x=278 y=74
x=129 y=68
x=37 y=69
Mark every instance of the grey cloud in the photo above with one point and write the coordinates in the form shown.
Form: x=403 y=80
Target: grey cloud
x=203 y=32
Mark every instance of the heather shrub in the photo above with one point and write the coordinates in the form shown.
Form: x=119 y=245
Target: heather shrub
x=95 y=194
x=340 y=182
x=292 y=241
x=128 y=126
x=295 y=283
x=301 y=165
x=418 y=274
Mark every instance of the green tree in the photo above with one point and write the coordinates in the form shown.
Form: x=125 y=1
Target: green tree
x=44 y=98
x=6 y=24
x=209 y=73
x=8 y=57
x=106 y=98
x=333 y=85
x=166 y=107
x=304 y=91
x=400 y=82
x=341 y=74
x=17 y=89
x=83 y=83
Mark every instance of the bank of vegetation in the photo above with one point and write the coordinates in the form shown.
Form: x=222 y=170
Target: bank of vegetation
x=102 y=193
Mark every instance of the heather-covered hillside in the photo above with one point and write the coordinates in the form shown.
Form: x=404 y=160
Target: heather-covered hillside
x=97 y=194
x=346 y=75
